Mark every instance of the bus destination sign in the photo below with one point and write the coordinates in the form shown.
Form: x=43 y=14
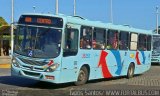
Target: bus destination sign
x=41 y=21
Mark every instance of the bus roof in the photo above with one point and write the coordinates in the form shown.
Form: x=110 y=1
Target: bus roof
x=82 y=21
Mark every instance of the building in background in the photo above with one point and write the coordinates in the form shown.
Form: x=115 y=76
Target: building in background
x=4 y=37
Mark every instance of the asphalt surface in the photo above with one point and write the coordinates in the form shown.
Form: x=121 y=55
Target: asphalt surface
x=144 y=84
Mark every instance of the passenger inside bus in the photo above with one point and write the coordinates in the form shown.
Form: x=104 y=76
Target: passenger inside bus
x=98 y=45
x=113 y=41
x=85 y=44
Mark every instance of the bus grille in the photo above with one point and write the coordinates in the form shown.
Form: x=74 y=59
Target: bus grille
x=155 y=54
x=31 y=62
x=31 y=74
x=155 y=60
x=35 y=68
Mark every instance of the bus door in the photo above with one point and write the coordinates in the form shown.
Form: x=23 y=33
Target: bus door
x=70 y=51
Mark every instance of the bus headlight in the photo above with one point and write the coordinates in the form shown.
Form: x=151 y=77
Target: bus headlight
x=52 y=68
x=15 y=63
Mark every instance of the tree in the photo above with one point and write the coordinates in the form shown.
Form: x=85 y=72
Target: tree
x=3 y=22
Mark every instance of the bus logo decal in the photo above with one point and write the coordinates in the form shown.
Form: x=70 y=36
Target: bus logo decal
x=132 y=55
x=85 y=55
x=30 y=53
x=32 y=68
x=103 y=64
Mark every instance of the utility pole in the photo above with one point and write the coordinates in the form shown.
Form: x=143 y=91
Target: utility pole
x=56 y=7
x=157 y=15
x=74 y=13
x=12 y=29
x=111 y=11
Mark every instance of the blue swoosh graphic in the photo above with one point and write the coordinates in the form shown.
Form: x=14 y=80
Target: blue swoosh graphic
x=143 y=55
x=118 y=60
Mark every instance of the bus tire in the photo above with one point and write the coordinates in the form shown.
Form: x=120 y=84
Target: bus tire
x=82 y=76
x=130 y=72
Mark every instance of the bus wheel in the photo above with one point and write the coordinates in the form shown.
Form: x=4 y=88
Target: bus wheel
x=82 y=77
x=130 y=72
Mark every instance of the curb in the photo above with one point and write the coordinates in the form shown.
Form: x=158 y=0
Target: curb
x=5 y=65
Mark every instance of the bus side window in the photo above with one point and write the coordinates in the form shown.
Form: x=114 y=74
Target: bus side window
x=99 y=38
x=112 y=39
x=133 y=41
x=142 y=44
x=149 y=38
x=123 y=40
x=71 y=42
x=86 y=37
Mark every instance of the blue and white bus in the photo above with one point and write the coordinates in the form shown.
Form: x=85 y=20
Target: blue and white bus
x=156 y=48
x=60 y=49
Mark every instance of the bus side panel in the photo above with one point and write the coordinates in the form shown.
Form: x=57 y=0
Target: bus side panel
x=116 y=63
x=91 y=58
x=71 y=65
x=105 y=63
x=125 y=62
x=110 y=63
x=144 y=62
x=69 y=69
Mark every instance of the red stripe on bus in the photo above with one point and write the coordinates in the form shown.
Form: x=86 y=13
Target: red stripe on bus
x=137 y=58
x=103 y=64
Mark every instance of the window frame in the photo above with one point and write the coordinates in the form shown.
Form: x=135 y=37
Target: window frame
x=149 y=43
x=82 y=37
x=142 y=42
x=108 y=37
x=130 y=41
x=127 y=41
x=101 y=30
x=69 y=52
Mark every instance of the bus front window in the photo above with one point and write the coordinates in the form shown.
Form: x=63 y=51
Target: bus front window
x=38 y=42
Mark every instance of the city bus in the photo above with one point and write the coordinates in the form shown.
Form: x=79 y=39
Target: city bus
x=61 y=49
x=156 y=49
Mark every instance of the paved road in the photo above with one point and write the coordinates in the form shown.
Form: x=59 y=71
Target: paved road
x=148 y=83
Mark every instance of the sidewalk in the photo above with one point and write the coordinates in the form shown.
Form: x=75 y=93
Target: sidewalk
x=5 y=62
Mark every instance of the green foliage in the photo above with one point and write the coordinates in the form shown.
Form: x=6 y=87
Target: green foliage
x=3 y=22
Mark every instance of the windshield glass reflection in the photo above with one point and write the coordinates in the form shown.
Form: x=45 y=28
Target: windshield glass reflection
x=38 y=41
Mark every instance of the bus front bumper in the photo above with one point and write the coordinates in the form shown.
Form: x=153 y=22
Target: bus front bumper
x=155 y=60
x=52 y=77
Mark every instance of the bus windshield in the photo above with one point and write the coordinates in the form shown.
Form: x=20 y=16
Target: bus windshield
x=37 y=42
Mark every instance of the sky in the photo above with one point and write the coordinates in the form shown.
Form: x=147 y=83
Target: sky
x=136 y=13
